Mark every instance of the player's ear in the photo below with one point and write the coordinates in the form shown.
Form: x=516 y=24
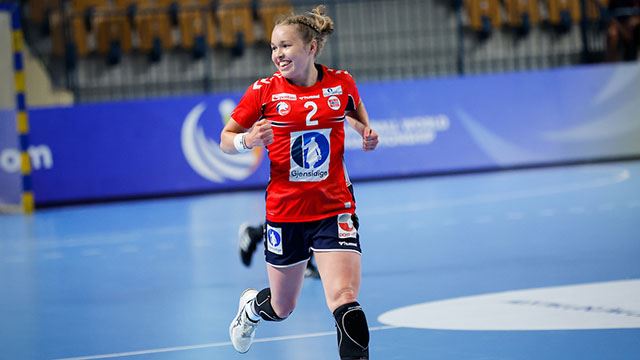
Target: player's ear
x=313 y=47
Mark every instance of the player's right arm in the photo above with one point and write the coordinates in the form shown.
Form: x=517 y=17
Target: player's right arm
x=234 y=138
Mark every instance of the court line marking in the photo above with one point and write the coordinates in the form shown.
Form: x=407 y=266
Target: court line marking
x=216 y=344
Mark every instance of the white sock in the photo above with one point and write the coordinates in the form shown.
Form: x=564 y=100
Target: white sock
x=251 y=314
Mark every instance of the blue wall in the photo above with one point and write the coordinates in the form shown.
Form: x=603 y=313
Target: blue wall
x=168 y=146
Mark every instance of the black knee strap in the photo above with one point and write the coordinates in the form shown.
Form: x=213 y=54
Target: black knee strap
x=262 y=306
x=353 y=331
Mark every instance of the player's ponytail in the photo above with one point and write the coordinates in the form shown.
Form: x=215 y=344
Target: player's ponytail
x=315 y=24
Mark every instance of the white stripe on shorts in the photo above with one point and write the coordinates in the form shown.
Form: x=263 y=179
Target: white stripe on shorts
x=334 y=250
x=287 y=266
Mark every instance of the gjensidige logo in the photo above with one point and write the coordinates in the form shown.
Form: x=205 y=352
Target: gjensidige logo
x=310 y=152
x=204 y=154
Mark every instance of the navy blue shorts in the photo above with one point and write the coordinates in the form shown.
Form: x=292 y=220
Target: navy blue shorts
x=290 y=243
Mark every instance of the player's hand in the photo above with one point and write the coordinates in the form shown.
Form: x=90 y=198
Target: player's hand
x=261 y=134
x=369 y=139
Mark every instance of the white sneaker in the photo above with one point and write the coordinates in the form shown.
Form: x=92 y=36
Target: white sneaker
x=242 y=329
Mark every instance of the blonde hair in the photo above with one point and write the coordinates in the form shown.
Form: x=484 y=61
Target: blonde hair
x=314 y=24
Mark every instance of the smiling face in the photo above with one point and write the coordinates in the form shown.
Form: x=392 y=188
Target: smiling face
x=291 y=55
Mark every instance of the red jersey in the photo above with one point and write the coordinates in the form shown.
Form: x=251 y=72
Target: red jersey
x=308 y=179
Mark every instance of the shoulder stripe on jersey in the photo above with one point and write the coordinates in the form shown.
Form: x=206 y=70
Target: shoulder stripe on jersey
x=280 y=124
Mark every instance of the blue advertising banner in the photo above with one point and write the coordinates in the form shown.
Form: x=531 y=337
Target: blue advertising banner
x=501 y=121
x=143 y=148
x=171 y=146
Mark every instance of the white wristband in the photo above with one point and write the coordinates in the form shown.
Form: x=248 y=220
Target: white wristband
x=239 y=143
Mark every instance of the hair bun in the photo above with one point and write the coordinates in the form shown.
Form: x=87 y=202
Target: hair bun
x=320 y=10
x=315 y=24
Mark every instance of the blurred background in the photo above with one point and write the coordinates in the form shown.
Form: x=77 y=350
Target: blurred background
x=143 y=88
x=100 y=50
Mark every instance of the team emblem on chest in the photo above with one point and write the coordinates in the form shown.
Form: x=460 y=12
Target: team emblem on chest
x=283 y=108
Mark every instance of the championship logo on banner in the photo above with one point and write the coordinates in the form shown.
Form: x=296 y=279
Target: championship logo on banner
x=204 y=154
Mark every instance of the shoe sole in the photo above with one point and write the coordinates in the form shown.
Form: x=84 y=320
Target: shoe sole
x=241 y=304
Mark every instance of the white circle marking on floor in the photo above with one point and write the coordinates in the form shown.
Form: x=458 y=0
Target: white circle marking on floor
x=604 y=305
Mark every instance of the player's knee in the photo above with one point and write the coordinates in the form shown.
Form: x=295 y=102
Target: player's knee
x=264 y=307
x=284 y=308
x=353 y=331
x=345 y=295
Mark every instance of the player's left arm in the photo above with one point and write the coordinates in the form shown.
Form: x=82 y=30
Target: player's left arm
x=359 y=121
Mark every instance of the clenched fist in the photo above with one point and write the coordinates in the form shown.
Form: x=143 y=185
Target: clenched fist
x=261 y=134
x=369 y=139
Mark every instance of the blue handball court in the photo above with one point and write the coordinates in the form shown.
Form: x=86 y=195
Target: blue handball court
x=537 y=261
x=528 y=264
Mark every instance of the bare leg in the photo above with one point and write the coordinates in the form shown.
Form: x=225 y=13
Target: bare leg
x=285 y=284
x=340 y=275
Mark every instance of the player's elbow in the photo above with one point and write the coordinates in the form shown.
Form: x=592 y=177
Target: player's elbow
x=227 y=150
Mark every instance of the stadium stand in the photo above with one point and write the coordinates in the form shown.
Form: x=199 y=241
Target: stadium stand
x=563 y=13
x=484 y=16
x=236 y=25
x=220 y=45
x=197 y=24
x=113 y=34
x=596 y=10
x=269 y=11
x=153 y=25
x=522 y=14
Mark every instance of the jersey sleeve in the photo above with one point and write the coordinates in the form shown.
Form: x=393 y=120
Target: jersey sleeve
x=249 y=110
x=352 y=92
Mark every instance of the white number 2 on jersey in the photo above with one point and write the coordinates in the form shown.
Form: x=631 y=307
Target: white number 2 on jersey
x=310 y=114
